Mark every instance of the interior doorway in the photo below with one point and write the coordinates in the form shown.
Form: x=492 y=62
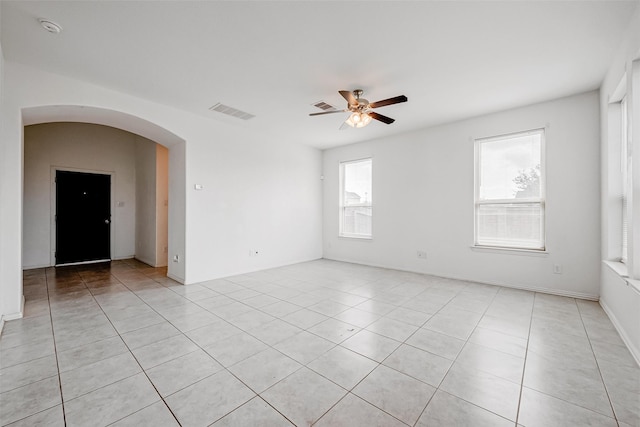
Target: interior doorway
x=83 y=217
x=54 y=141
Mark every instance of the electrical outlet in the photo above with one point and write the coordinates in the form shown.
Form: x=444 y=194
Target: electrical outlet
x=253 y=252
x=176 y=258
x=557 y=269
x=421 y=254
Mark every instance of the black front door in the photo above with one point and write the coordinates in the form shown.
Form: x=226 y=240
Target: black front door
x=83 y=217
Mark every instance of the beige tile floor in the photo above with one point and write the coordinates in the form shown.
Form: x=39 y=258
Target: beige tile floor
x=323 y=343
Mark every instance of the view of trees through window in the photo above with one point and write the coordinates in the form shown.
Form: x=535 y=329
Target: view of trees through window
x=528 y=183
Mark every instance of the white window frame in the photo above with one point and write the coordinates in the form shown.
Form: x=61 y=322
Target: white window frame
x=625 y=164
x=368 y=203
x=529 y=200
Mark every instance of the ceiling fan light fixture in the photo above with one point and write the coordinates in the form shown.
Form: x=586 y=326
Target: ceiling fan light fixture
x=358 y=120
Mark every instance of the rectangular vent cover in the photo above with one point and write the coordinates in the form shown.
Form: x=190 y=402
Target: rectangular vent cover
x=230 y=111
x=324 y=106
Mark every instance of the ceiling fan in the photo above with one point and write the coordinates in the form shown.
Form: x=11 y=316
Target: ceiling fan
x=361 y=109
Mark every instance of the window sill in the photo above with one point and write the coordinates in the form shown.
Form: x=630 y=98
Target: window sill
x=621 y=270
x=510 y=251
x=618 y=267
x=634 y=284
x=342 y=236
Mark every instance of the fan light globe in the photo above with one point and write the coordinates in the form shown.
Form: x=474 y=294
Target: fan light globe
x=358 y=120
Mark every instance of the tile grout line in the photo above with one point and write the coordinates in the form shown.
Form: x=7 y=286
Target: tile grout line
x=348 y=391
x=118 y=334
x=224 y=367
x=456 y=358
x=453 y=361
x=604 y=384
x=526 y=354
x=39 y=358
x=226 y=321
x=201 y=348
x=425 y=321
x=258 y=309
x=405 y=343
x=55 y=349
x=579 y=405
x=197 y=345
x=357 y=397
x=129 y=349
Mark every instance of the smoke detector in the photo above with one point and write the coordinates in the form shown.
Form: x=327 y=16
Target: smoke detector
x=50 y=26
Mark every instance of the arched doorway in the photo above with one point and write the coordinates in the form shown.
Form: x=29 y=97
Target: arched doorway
x=147 y=130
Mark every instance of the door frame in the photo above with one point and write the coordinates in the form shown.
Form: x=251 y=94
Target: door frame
x=112 y=228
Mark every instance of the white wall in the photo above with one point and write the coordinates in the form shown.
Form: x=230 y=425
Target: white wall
x=152 y=194
x=82 y=147
x=3 y=179
x=11 y=206
x=145 y=236
x=258 y=192
x=177 y=211
x=260 y=196
x=423 y=199
x=162 y=201
x=621 y=301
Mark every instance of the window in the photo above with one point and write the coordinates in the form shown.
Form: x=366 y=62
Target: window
x=625 y=164
x=355 y=199
x=509 y=193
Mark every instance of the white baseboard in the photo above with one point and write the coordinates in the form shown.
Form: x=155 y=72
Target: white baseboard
x=14 y=316
x=35 y=267
x=559 y=292
x=176 y=278
x=146 y=261
x=238 y=273
x=635 y=352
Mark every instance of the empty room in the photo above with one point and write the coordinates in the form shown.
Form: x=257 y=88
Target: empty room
x=320 y=213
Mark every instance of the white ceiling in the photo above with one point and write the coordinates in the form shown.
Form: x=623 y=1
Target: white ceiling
x=452 y=59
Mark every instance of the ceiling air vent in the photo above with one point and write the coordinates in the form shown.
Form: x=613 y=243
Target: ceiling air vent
x=230 y=111
x=324 y=106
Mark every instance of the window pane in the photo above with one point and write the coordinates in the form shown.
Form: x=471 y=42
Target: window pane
x=356 y=220
x=510 y=167
x=510 y=225
x=625 y=167
x=357 y=183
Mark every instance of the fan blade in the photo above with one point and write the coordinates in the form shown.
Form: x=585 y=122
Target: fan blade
x=349 y=97
x=390 y=101
x=380 y=117
x=327 y=112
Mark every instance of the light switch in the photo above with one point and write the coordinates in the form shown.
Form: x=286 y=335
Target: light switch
x=198 y=186
x=120 y=204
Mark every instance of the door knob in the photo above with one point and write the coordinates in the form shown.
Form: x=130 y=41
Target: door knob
x=106 y=221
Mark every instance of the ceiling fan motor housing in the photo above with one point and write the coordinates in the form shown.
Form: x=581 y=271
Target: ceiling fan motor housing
x=363 y=104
